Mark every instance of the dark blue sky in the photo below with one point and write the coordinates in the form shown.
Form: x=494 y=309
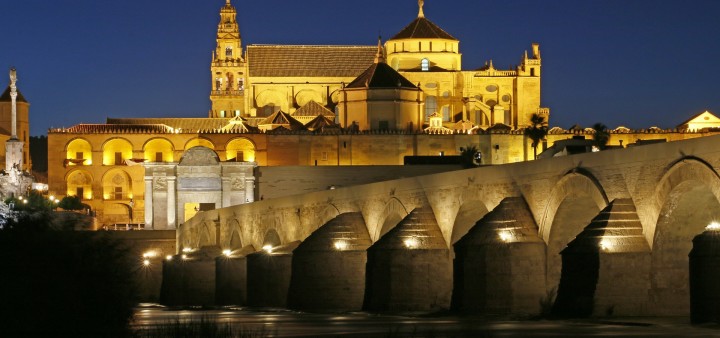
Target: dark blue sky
x=636 y=63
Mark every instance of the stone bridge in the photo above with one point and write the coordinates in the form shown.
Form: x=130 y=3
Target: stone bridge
x=590 y=234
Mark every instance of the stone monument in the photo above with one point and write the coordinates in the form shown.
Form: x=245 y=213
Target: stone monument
x=14 y=181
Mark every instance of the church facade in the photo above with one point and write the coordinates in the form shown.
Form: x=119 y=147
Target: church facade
x=307 y=105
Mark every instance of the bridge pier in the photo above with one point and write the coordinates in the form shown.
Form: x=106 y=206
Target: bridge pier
x=606 y=269
x=268 y=276
x=231 y=277
x=500 y=263
x=189 y=279
x=409 y=269
x=704 y=276
x=328 y=268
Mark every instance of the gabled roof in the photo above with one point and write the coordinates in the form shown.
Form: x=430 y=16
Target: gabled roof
x=380 y=75
x=703 y=117
x=313 y=108
x=422 y=28
x=284 y=119
x=308 y=61
x=5 y=97
x=320 y=122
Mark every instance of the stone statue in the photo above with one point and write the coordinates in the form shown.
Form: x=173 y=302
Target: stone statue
x=13 y=77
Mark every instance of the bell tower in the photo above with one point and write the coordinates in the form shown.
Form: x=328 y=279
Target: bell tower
x=227 y=68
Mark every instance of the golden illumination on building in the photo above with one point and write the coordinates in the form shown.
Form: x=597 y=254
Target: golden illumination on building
x=199 y=142
x=78 y=152
x=116 y=151
x=158 y=150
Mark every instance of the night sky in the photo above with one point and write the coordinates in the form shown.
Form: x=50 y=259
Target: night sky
x=635 y=63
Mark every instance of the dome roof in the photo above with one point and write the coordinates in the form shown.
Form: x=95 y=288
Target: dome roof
x=422 y=28
x=380 y=75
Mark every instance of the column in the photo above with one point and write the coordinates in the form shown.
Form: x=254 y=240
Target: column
x=148 y=202
x=226 y=191
x=171 y=203
x=249 y=189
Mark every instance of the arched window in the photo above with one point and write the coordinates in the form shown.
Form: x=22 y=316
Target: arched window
x=228 y=52
x=158 y=150
x=425 y=65
x=430 y=106
x=239 y=150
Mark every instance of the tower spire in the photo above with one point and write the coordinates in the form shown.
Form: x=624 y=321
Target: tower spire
x=421 y=3
x=379 y=57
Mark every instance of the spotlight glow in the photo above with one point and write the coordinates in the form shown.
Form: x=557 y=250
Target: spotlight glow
x=268 y=248
x=146 y=262
x=150 y=254
x=411 y=243
x=227 y=252
x=505 y=236
x=184 y=257
x=713 y=226
x=341 y=245
x=186 y=250
x=168 y=257
x=605 y=244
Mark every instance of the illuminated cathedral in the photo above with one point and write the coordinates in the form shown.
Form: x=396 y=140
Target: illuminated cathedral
x=305 y=105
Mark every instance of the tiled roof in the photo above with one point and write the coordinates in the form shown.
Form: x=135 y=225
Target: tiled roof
x=380 y=75
x=308 y=61
x=5 y=97
x=313 y=108
x=284 y=119
x=422 y=28
x=119 y=129
x=186 y=125
x=320 y=122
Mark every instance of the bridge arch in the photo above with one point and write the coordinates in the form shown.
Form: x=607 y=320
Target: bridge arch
x=574 y=201
x=233 y=241
x=271 y=238
x=207 y=235
x=688 y=199
x=393 y=213
x=469 y=213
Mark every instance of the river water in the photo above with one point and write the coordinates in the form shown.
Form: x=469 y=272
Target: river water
x=284 y=323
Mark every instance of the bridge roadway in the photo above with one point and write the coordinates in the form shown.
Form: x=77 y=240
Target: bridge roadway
x=604 y=233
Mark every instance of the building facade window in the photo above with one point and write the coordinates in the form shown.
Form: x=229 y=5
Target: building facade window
x=158 y=156
x=446 y=113
x=425 y=65
x=118 y=193
x=430 y=106
x=228 y=52
x=118 y=158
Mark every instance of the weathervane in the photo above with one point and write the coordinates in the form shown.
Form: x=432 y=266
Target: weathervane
x=421 y=3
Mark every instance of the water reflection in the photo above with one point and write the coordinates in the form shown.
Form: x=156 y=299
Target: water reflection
x=285 y=323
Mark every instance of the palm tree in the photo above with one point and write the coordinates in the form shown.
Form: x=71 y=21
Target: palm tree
x=536 y=131
x=469 y=156
x=601 y=136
